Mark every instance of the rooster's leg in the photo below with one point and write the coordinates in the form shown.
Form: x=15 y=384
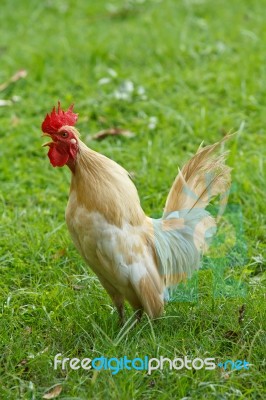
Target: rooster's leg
x=139 y=314
x=117 y=298
x=121 y=312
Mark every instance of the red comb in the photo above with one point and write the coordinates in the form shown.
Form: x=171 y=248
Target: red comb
x=53 y=122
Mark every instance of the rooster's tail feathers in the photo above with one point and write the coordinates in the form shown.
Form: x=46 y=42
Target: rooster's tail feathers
x=203 y=177
x=185 y=230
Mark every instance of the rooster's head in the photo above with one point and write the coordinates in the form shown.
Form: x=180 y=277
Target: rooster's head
x=59 y=126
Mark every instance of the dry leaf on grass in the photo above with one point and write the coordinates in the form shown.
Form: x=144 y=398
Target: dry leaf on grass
x=112 y=132
x=59 y=253
x=53 y=393
x=231 y=335
x=18 y=75
x=28 y=329
x=241 y=314
x=15 y=120
x=225 y=375
x=9 y=102
x=4 y=103
x=22 y=362
x=77 y=287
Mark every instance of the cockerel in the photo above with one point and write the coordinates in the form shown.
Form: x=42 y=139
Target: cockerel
x=136 y=258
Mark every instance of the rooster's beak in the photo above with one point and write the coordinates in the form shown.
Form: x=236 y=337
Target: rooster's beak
x=48 y=143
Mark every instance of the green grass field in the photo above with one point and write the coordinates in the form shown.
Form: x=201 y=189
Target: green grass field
x=174 y=73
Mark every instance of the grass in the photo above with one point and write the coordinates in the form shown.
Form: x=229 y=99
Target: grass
x=196 y=70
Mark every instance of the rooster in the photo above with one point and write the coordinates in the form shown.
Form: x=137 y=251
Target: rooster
x=136 y=258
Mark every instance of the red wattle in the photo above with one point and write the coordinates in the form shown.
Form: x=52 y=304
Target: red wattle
x=58 y=156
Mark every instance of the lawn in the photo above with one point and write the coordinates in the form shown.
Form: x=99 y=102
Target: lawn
x=174 y=73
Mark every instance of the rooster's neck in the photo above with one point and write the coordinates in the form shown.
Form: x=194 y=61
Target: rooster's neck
x=101 y=185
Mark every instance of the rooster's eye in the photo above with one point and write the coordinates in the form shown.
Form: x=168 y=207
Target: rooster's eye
x=64 y=134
